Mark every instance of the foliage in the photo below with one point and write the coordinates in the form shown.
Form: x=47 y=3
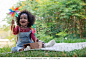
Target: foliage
x=6 y=33
x=5 y=49
x=53 y=17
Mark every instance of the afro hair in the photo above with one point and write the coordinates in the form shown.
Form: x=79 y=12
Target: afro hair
x=31 y=18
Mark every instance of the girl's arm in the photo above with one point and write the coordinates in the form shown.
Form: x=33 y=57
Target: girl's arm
x=14 y=29
x=33 y=37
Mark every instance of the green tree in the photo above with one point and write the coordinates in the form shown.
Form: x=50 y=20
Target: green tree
x=54 y=16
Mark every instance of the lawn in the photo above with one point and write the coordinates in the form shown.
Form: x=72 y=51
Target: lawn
x=41 y=53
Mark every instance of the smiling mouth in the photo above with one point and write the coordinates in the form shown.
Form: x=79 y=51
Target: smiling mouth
x=22 y=22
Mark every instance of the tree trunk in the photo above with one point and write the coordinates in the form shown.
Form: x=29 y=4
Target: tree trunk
x=81 y=28
x=75 y=24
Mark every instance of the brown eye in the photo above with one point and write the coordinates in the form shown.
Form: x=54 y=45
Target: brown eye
x=20 y=18
x=25 y=17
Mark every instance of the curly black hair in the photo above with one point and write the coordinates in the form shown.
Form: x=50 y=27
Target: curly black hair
x=31 y=18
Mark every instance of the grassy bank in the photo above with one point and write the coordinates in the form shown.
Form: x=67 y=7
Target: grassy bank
x=41 y=53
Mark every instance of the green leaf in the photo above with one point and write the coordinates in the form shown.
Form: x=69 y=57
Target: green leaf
x=61 y=34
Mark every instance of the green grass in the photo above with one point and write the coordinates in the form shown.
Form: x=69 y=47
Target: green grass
x=5 y=49
x=41 y=53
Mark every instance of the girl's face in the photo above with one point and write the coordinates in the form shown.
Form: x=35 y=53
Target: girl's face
x=23 y=20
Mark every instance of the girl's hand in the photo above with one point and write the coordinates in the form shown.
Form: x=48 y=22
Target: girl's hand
x=37 y=40
x=21 y=49
x=12 y=22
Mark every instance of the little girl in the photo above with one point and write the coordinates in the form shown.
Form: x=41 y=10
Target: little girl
x=23 y=31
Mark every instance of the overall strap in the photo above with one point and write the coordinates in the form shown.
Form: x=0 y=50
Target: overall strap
x=18 y=35
x=19 y=29
x=19 y=32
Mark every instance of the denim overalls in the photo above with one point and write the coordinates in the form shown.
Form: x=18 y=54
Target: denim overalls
x=23 y=38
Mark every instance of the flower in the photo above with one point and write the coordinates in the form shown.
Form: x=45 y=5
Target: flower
x=35 y=8
x=66 y=38
x=9 y=38
x=56 y=17
x=37 y=0
x=20 y=7
x=1 y=31
x=23 y=4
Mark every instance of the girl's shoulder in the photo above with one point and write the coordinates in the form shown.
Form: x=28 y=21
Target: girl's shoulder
x=17 y=26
